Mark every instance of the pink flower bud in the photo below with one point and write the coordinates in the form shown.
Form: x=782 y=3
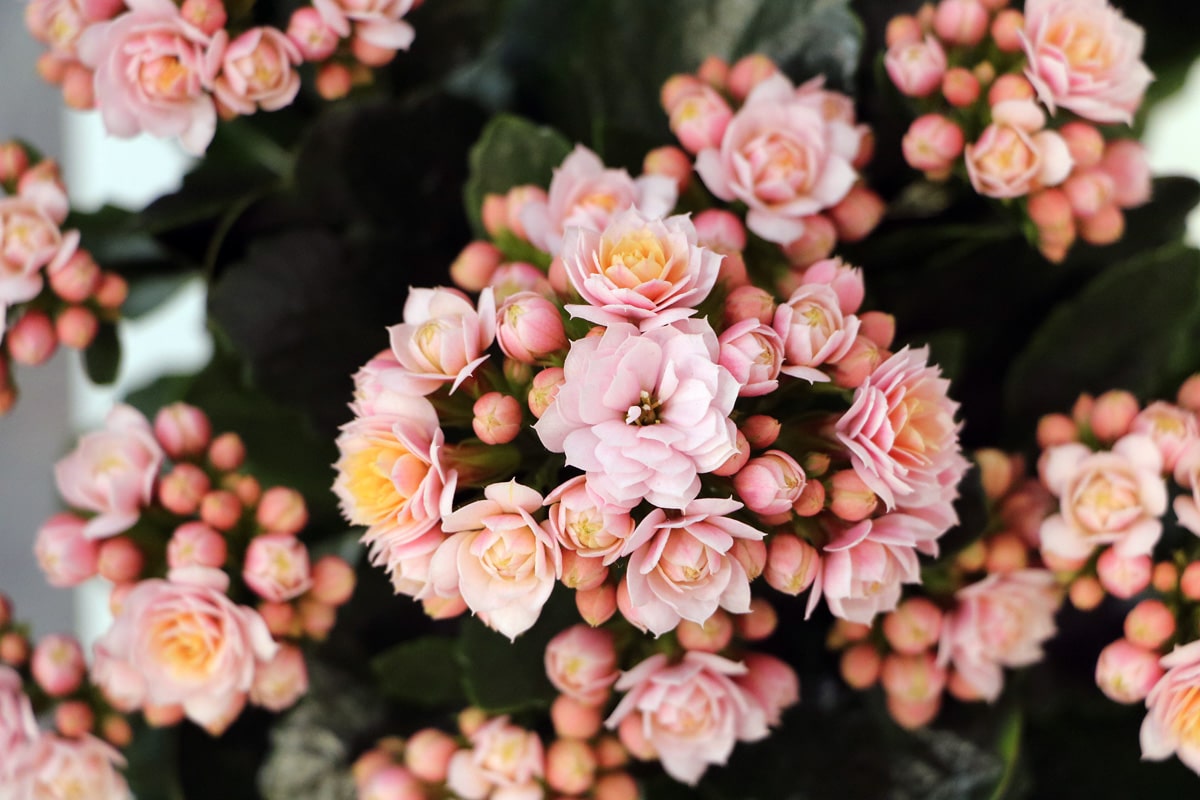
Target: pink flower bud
x=714 y=71
x=245 y=487
x=916 y=68
x=753 y=353
x=58 y=665
x=334 y=81
x=317 y=619
x=545 y=388
x=1088 y=190
x=749 y=302
x=1123 y=577
x=76 y=327
x=530 y=328
x=610 y=753
x=573 y=719
x=162 y=716
x=699 y=118
x=1050 y=210
x=851 y=499
x=915 y=678
x=282 y=510
x=516 y=201
x=761 y=430
x=1010 y=87
x=120 y=560
x=280 y=682
x=670 y=162
x=1056 y=429
x=1165 y=577
x=13 y=162
x=1085 y=143
x=1189 y=581
x=112 y=291
x=497 y=418
x=676 y=88
x=791 y=564
x=736 y=461
x=996 y=472
x=182 y=430
x=312 y=36
x=207 y=15
x=227 y=452
x=963 y=22
x=427 y=754
x=194 y=544
x=221 y=509
x=857 y=214
x=1150 y=624
x=1188 y=395
x=932 y=144
x=76 y=280
x=74 y=719
x=632 y=735
x=1113 y=414
x=1086 y=593
x=583 y=573
x=815 y=244
x=811 y=501
x=860 y=665
x=1006 y=30
x=557 y=276
x=1006 y=552
x=597 y=606
x=51 y=68
x=751 y=554
x=903 y=29
x=181 y=490
x=1125 y=162
x=66 y=556
x=371 y=54
x=712 y=637
x=281 y=619
x=1104 y=227
x=392 y=783
x=14 y=649
x=879 y=327
x=570 y=766
x=78 y=87
x=748 y=72
x=914 y=626
x=494 y=213
x=845 y=280
x=616 y=786
x=32 y=340
x=759 y=623
x=626 y=607
x=770 y=483
x=1126 y=673
x=960 y=87
x=859 y=362
x=720 y=230
x=473 y=269
x=333 y=581
x=913 y=714
x=276 y=567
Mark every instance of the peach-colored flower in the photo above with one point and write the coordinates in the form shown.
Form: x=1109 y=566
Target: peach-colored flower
x=378 y=22
x=814 y=331
x=1172 y=428
x=1172 y=724
x=58 y=767
x=916 y=67
x=18 y=726
x=30 y=242
x=753 y=353
x=1011 y=161
x=280 y=682
x=258 y=71
x=276 y=567
x=581 y=662
x=507 y=755
x=585 y=522
x=443 y=337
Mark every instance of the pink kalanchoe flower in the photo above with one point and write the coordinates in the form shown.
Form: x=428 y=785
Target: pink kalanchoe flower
x=698 y=116
x=639 y=268
x=1010 y=160
x=814 y=331
x=771 y=483
x=189 y=645
x=65 y=554
x=901 y=433
x=258 y=71
x=276 y=567
x=507 y=755
x=377 y=22
x=581 y=662
x=691 y=713
x=112 y=472
x=530 y=328
x=584 y=194
x=585 y=522
x=771 y=683
x=1000 y=621
x=18 y=726
x=518 y=276
x=282 y=681
x=681 y=567
x=153 y=74
x=846 y=280
x=782 y=158
x=1172 y=428
x=55 y=766
x=30 y=241
x=753 y=354
x=443 y=337
x=659 y=419
x=1187 y=475
x=1172 y=724
x=916 y=67
x=1085 y=56
x=502 y=561
x=1115 y=498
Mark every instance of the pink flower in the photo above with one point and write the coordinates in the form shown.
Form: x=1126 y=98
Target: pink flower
x=112 y=472
x=699 y=116
x=1012 y=161
x=900 y=431
x=581 y=662
x=29 y=242
x=378 y=22
x=282 y=681
x=1000 y=621
x=276 y=567
x=586 y=195
x=771 y=483
x=916 y=67
x=530 y=328
x=1127 y=673
x=639 y=268
x=153 y=72
x=643 y=414
x=753 y=354
x=518 y=276
x=771 y=683
x=55 y=767
x=583 y=521
x=18 y=726
x=1112 y=498
x=846 y=281
x=258 y=71
x=507 y=755
x=502 y=561
x=814 y=331
x=1086 y=57
x=1172 y=428
x=681 y=567
x=1172 y=724
x=189 y=644
x=691 y=713
x=65 y=554
x=443 y=337
x=782 y=158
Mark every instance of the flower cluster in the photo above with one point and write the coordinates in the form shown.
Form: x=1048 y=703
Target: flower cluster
x=986 y=77
x=171 y=69
x=51 y=290
x=59 y=763
x=165 y=513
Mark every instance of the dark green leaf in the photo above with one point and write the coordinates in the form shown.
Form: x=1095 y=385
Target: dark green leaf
x=103 y=358
x=424 y=672
x=148 y=293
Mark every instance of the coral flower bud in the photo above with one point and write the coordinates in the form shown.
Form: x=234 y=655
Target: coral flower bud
x=1189 y=581
x=1086 y=593
x=570 y=766
x=120 y=560
x=494 y=213
x=1056 y=429
x=910 y=714
x=857 y=214
x=473 y=269
x=182 y=430
x=392 y=783
x=1112 y=415
x=1010 y=87
x=1123 y=577
x=317 y=619
x=221 y=509
x=65 y=554
x=530 y=328
x=427 y=754
x=281 y=619
x=116 y=730
x=14 y=649
x=1006 y=30
x=770 y=483
x=207 y=15
x=1085 y=143
x=573 y=719
x=811 y=501
x=1050 y=210
x=516 y=201
x=282 y=510
x=751 y=554
x=1165 y=577
x=1126 y=673
x=738 y=460
x=181 y=490
x=914 y=626
x=227 y=452
x=78 y=87
x=1104 y=227
x=759 y=623
x=497 y=418
x=333 y=581
x=916 y=68
x=76 y=280
x=670 y=162
x=749 y=302
x=960 y=87
x=616 y=786
x=761 y=430
x=963 y=22
x=1088 y=190
x=815 y=244
x=853 y=369
x=851 y=498
x=194 y=544
x=932 y=144
x=112 y=291
x=1006 y=552
x=712 y=637
x=915 y=678
x=749 y=72
x=76 y=327
x=545 y=388
x=334 y=81
x=13 y=161
x=1189 y=393
x=58 y=665
x=714 y=71
x=1150 y=624
x=631 y=733
x=245 y=487
x=32 y=340
x=791 y=564
x=162 y=716
x=879 y=327
x=580 y=572
x=74 y=719
x=996 y=472
x=312 y=36
x=1126 y=162
x=597 y=606
x=371 y=54
x=860 y=665
x=277 y=567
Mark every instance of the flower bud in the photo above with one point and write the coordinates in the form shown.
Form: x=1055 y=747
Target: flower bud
x=78 y=87
x=749 y=302
x=116 y=730
x=245 y=487
x=317 y=619
x=1056 y=429
x=334 y=81
x=74 y=718
x=597 y=606
x=1006 y=30
x=914 y=626
x=162 y=716
x=58 y=665
x=714 y=71
x=860 y=665
x=1104 y=227
x=1085 y=593
x=962 y=22
x=916 y=68
x=791 y=564
x=1126 y=163
x=915 y=678
x=960 y=87
x=32 y=340
x=1006 y=552
x=815 y=244
x=712 y=637
x=1113 y=414
x=76 y=280
x=853 y=369
x=1123 y=577
x=208 y=16
x=221 y=509
x=738 y=460
x=51 y=68
x=574 y=719
x=112 y=291
x=76 y=327
x=852 y=500
x=748 y=72
x=227 y=452
x=530 y=328
x=281 y=619
x=333 y=581
x=14 y=649
x=761 y=431
x=13 y=162
x=516 y=201
x=857 y=214
x=616 y=786
x=1150 y=624
x=194 y=544
x=1084 y=142
x=751 y=554
x=1165 y=577
x=631 y=732
x=282 y=510
x=391 y=782
x=371 y=54
x=1088 y=191
x=626 y=607
x=996 y=472
x=1189 y=581
x=544 y=390
x=497 y=418
x=120 y=560
x=182 y=430
x=1050 y=210
x=903 y=29
x=276 y=567
x=181 y=490
x=427 y=754
x=759 y=623
x=570 y=766
x=932 y=144
x=770 y=483
x=494 y=213
x=118 y=595
x=670 y=162
x=583 y=573
x=473 y=269
x=811 y=501
x=1126 y=673
x=66 y=556
x=312 y=35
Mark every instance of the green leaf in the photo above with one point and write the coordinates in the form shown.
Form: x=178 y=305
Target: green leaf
x=512 y=151
x=424 y=672
x=102 y=359
x=1008 y=747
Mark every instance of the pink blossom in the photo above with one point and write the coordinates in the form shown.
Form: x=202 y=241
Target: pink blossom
x=1112 y=498
x=1086 y=57
x=530 y=328
x=502 y=561
x=443 y=337
x=691 y=713
x=846 y=281
x=782 y=158
x=681 y=567
x=1126 y=672
x=1000 y=621
x=112 y=472
x=54 y=767
x=507 y=755
x=643 y=414
x=901 y=433
x=517 y=276
x=641 y=269
x=1172 y=724
x=280 y=682
x=1126 y=163
x=1172 y=428
x=753 y=354
x=1011 y=161
x=258 y=71
x=581 y=662
x=771 y=483
x=916 y=67
x=584 y=194
x=189 y=644
x=377 y=22
x=65 y=554
x=276 y=567
x=18 y=726
x=814 y=331
x=29 y=242
x=153 y=73
x=772 y=684
x=699 y=116
x=583 y=521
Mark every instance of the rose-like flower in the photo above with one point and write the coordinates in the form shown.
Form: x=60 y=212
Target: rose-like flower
x=443 y=337
x=660 y=418
x=1000 y=621
x=112 y=472
x=916 y=67
x=189 y=644
x=1010 y=161
x=18 y=726
x=1105 y=498
x=502 y=561
x=29 y=242
x=507 y=755
x=1172 y=724
x=691 y=713
x=640 y=269
x=57 y=767
x=276 y=567
x=65 y=554
x=782 y=158
x=1086 y=57
x=377 y=22
x=282 y=681
x=901 y=433
x=1172 y=428
x=581 y=662
x=680 y=565
x=814 y=331
x=583 y=521
x=258 y=71
x=584 y=194
x=753 y=354
x=153 y=72
x=771 y=683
